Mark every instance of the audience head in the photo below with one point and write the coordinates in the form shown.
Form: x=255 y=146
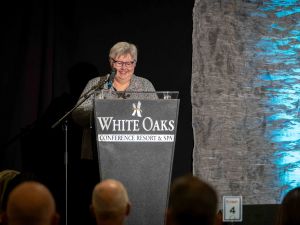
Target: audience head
x=5 y=178
x=192 y=201
x=289 y=208
x=110 y=203
x=31 y=202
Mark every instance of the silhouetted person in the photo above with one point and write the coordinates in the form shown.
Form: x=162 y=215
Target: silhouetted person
x=44 y=147
x=192 y=202
x=289 y=209
x=31 y=203
x=110 y=203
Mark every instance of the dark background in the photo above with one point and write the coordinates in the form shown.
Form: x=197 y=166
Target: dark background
x=50 y=49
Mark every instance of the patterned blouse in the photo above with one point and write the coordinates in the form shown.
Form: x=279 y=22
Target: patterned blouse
x=83 y=113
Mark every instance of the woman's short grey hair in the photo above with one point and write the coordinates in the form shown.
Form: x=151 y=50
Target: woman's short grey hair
x=123 y=48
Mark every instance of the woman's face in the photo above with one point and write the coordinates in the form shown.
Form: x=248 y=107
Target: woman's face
x=124 y=65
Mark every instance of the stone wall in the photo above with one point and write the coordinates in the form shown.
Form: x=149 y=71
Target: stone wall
x=234 y=145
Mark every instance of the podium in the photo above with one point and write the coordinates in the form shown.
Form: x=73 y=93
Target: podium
x=135 y=136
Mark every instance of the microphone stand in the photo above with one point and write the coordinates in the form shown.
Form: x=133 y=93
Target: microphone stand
x=98 y=86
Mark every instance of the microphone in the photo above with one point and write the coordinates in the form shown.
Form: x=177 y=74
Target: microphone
x=111 y=78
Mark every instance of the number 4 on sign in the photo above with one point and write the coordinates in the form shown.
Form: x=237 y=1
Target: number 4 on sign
x=232 y=208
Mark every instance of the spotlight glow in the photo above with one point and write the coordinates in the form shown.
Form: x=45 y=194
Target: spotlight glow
x=279 y=75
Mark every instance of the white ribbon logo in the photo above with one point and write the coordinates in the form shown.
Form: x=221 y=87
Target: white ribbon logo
x=137 y=109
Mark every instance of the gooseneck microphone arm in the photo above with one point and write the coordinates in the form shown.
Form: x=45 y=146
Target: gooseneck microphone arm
x=82 y=99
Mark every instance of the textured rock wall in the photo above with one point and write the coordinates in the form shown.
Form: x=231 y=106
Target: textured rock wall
x=230 y=117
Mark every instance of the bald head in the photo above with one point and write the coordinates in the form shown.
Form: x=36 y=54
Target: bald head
x=110 y=202
x=31 y=203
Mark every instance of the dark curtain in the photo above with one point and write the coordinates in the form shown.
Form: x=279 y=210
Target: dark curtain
x=27 y=71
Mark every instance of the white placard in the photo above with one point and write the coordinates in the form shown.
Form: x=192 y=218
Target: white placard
x=232 y=209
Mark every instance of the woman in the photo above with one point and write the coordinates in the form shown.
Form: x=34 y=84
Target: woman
x=123 y=59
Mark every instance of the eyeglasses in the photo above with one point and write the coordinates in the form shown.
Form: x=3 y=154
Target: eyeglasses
x=126 y=64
